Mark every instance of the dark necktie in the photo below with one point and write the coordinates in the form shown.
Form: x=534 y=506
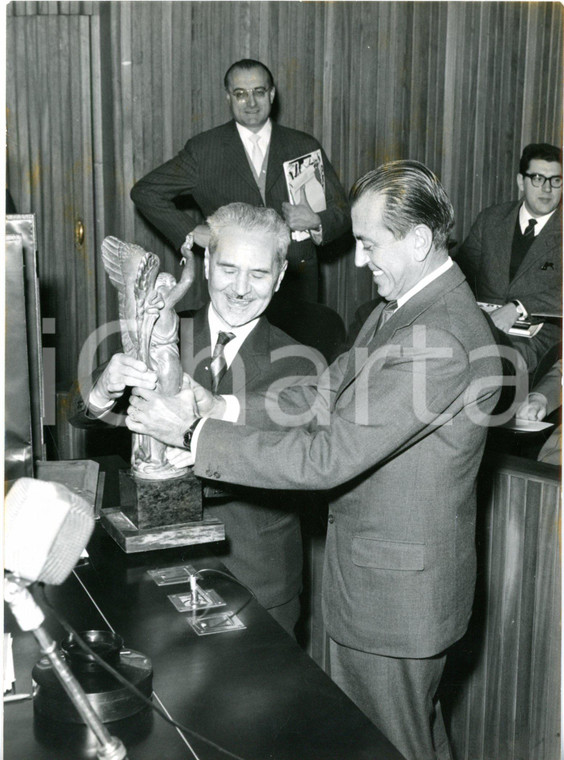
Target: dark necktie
x=522 y=241
x=218 y=365
x=387 y=312
x=530 y=228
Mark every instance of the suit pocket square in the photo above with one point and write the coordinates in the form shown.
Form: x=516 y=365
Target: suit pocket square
x=388 y=555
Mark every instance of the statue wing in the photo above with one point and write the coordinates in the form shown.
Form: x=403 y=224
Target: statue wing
x=132 y=271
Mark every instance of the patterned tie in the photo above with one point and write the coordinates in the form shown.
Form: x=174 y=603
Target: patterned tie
x=218 y=365
x=256 y=155
x=387 y=312
x=530 y=228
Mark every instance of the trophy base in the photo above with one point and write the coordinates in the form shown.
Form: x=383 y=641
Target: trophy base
x=133 y=539
x=151 y=503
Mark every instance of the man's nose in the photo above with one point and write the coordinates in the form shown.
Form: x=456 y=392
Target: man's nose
x=251 y=97
x=242 y=284
x=360 y=255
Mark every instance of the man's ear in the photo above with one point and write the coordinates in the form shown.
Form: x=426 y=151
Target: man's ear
x=281 y=275
x=521 y=183
x=423 y=241
x=272 y=94
x=207 y=263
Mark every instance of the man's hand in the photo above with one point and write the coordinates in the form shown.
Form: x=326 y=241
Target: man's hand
x=301 y=216
x=179 y=458
x=121 y=371
x=166 y=418
x=207 y=404
x=505 y=318
x=201 y=234
x=533 y=408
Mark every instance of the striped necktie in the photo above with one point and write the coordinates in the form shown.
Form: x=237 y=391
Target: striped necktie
x=218 y=365
x=387 y=312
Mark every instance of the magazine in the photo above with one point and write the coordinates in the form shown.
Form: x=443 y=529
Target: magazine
x=305 y=180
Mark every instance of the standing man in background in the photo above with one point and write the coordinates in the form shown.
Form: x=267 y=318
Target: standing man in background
x=242 y=161
x=395 y=435
x=513 y=254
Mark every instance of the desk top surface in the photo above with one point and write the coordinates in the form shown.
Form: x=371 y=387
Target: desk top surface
x=254 y=692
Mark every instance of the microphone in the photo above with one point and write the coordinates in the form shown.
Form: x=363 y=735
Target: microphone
x=47 y=526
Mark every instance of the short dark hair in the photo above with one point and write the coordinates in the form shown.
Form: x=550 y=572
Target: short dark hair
x=413 y=196
x=250 y=219
x=541 y=151
x=246 y=64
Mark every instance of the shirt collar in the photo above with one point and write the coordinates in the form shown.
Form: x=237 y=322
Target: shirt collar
x=217 y=324
x=264 y=133
x=427 y=280
x=525 y=215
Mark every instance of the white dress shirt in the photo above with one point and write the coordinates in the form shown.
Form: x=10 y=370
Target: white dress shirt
x=263 y=134
x=524 y=217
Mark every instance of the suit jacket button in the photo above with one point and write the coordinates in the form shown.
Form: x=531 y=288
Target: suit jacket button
x=216 y=474
x=331 y=519
x=209 y=472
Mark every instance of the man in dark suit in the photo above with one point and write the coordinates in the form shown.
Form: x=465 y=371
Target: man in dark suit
x=395 y=430
x=244 y=266
x=224 y=165
x=513 y=254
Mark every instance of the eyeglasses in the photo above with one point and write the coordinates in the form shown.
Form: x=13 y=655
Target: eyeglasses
x=258 y=93
x=538 y=180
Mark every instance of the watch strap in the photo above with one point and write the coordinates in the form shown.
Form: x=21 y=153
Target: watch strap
x=187 y=437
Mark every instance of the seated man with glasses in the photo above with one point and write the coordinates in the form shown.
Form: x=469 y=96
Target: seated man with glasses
x=513 y=256
x=243 y=161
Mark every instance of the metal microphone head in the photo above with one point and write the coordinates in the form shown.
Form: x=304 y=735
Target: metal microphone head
x=46 y=528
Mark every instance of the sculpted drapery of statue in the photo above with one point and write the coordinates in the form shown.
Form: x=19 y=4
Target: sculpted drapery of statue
x=149 y=332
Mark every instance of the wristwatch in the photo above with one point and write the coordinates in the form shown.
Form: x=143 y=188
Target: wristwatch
x=187 y=437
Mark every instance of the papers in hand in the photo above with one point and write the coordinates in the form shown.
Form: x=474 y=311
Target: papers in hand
x=305 y=180
x=522 y=327
x=527 y=426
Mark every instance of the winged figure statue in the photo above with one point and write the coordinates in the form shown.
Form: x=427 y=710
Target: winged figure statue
x=149 y=332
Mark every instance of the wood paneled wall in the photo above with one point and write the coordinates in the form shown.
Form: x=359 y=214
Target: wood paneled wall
x=461 y=86
x=502 y=683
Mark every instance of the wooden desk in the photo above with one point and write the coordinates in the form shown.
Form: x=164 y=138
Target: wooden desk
x=254 y=692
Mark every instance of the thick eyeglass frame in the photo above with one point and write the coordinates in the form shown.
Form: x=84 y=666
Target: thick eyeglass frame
x=244 y=95
x=538 y=180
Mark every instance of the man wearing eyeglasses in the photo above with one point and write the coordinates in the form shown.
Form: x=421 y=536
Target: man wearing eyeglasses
x=242 y=161
x=513 y=255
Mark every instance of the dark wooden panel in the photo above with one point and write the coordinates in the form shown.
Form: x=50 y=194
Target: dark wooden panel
x=51 y=168
x=502 y=685
x=460 y=86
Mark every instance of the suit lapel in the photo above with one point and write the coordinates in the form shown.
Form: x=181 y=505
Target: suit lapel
x=364 y=337
x=246 y=365
x=503 y=242
x=275 y=157
x=543 y=247
x=236 y=156
x=371 y=341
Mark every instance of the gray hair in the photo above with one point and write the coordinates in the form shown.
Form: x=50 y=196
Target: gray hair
x=413 y=195
x=250 y=219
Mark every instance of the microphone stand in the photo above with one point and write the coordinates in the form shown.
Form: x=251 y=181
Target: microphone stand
x=31 y=618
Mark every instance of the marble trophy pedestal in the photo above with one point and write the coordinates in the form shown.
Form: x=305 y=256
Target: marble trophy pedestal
x=159 y=514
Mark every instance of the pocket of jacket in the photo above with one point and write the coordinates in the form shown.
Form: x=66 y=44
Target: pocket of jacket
x=388 y=555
